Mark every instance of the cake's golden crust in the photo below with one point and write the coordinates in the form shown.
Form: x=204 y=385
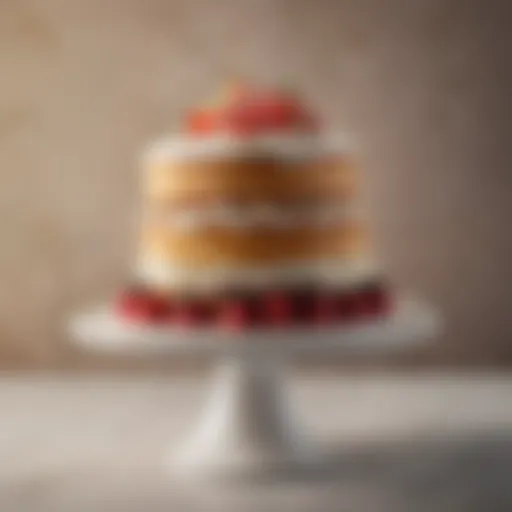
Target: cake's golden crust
x=212 y=246
x=250 y=180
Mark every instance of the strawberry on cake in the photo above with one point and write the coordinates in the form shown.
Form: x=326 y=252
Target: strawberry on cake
x=251 y=220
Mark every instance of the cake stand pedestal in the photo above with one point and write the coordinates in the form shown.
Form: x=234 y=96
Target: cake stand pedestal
x=247 y=428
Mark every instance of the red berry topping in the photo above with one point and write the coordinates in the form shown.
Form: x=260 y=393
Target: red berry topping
x=202 y=122
x=142 y=307
x=304 y=306
x=128 y=301
x=376 y=300
x=236 y=313
x=266 y=113
x=184 y=315
x=243 y=118
x=161 y=309
x=325 y=309
x=277 y=308
x=248 y=111
x=348 y=306
x=282 y=113
x=191 y=313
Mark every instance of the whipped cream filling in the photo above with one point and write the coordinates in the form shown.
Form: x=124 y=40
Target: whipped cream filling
x=262 y=215
x=329 y=272
x=293 y=145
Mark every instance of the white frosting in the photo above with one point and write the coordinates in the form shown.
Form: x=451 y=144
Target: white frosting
x=284 y=145
x=328 y=273
x=262 y=215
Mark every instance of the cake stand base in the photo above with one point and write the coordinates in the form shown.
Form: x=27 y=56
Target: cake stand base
x=248 y=429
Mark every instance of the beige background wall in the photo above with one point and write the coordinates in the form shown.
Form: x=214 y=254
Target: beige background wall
x=424 y=84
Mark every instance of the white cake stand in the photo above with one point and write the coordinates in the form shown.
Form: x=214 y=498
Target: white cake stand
x=247 y=429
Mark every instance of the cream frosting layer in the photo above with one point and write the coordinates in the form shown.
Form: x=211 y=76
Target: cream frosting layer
x=283 y=145
x=326 y=273
x=261 y=215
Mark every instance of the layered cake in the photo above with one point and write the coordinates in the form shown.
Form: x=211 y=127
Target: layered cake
x=251 y=218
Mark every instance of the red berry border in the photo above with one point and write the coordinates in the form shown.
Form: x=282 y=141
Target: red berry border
x=238 y=311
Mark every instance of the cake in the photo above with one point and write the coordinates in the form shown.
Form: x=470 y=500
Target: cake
x=251 y=217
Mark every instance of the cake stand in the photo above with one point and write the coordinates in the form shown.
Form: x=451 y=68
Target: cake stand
x=248 y=428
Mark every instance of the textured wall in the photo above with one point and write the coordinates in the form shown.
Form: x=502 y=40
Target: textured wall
x=424 y=84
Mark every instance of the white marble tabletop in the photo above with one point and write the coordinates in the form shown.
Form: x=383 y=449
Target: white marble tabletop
x=411 y=443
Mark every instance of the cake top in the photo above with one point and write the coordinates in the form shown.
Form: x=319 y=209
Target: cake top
x=243 y=110
x=242 y=121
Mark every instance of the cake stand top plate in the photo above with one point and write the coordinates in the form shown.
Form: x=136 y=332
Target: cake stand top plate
x=413 y=321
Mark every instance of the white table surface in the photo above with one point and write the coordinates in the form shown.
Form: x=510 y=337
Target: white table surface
x=411 y=443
